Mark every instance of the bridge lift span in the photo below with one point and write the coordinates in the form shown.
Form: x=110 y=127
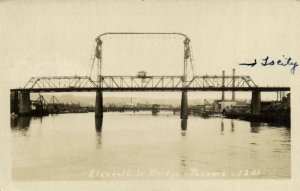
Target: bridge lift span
x=144 y=83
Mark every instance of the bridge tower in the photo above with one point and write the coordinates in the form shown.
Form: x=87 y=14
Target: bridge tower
x=187 y=56
x=184 y=101
x=99 y=94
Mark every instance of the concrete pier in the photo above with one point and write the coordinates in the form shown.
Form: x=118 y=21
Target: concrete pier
x=14 y=102
x=99 y=104
x=256 y=103
x=184 y=106
x=24 y=103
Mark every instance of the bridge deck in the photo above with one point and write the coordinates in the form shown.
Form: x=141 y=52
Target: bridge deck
x=143 y=83
x=158 y=89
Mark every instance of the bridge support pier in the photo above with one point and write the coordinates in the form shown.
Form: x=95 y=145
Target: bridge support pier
x=184 y=106
x=99 y=104
x=256 y=103
x=24 y=104
x=14 y=102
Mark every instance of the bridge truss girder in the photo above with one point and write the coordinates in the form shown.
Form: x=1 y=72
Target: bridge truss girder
x=218 y=81
x=60 y=82
x=136 y=82
x=141 y=82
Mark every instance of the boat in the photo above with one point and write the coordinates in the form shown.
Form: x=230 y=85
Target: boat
x=155 y=111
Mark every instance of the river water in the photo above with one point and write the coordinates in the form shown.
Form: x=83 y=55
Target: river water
x=142 y=146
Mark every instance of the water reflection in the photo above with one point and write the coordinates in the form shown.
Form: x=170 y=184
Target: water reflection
x=183 y=152
x=183 y=124
x=255 y=127
x=232 y=126
x=183 y=165
x=23 y=122
x=98 y=139
x=13 y=122
x=20 y=122
x=41 y=119
x=187 y=151
x=98 y=123
x=222 y=127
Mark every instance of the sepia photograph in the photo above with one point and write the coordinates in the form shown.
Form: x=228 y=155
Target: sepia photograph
x=149 y=95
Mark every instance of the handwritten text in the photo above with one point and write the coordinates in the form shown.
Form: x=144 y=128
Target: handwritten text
x=270 y=62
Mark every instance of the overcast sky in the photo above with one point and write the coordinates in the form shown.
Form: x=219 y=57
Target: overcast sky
x=43 y=38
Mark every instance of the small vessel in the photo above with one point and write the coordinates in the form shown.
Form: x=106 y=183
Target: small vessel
x=155 y=111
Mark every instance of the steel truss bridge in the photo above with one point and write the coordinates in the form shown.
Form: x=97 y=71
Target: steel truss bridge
x=20 y=97
x=146 y=83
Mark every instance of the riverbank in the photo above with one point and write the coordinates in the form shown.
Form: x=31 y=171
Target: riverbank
x=282 y=117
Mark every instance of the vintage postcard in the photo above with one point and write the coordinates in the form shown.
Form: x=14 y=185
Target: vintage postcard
x=149 y=95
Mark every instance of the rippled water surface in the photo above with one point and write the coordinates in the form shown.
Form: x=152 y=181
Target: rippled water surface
x=140 y=145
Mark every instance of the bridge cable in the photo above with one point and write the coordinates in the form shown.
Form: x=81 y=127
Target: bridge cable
x=92 y=60
x=92 y=66
x=192 y=59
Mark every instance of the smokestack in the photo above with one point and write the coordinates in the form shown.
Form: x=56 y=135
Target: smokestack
x=233 y=84
x=223 y=84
